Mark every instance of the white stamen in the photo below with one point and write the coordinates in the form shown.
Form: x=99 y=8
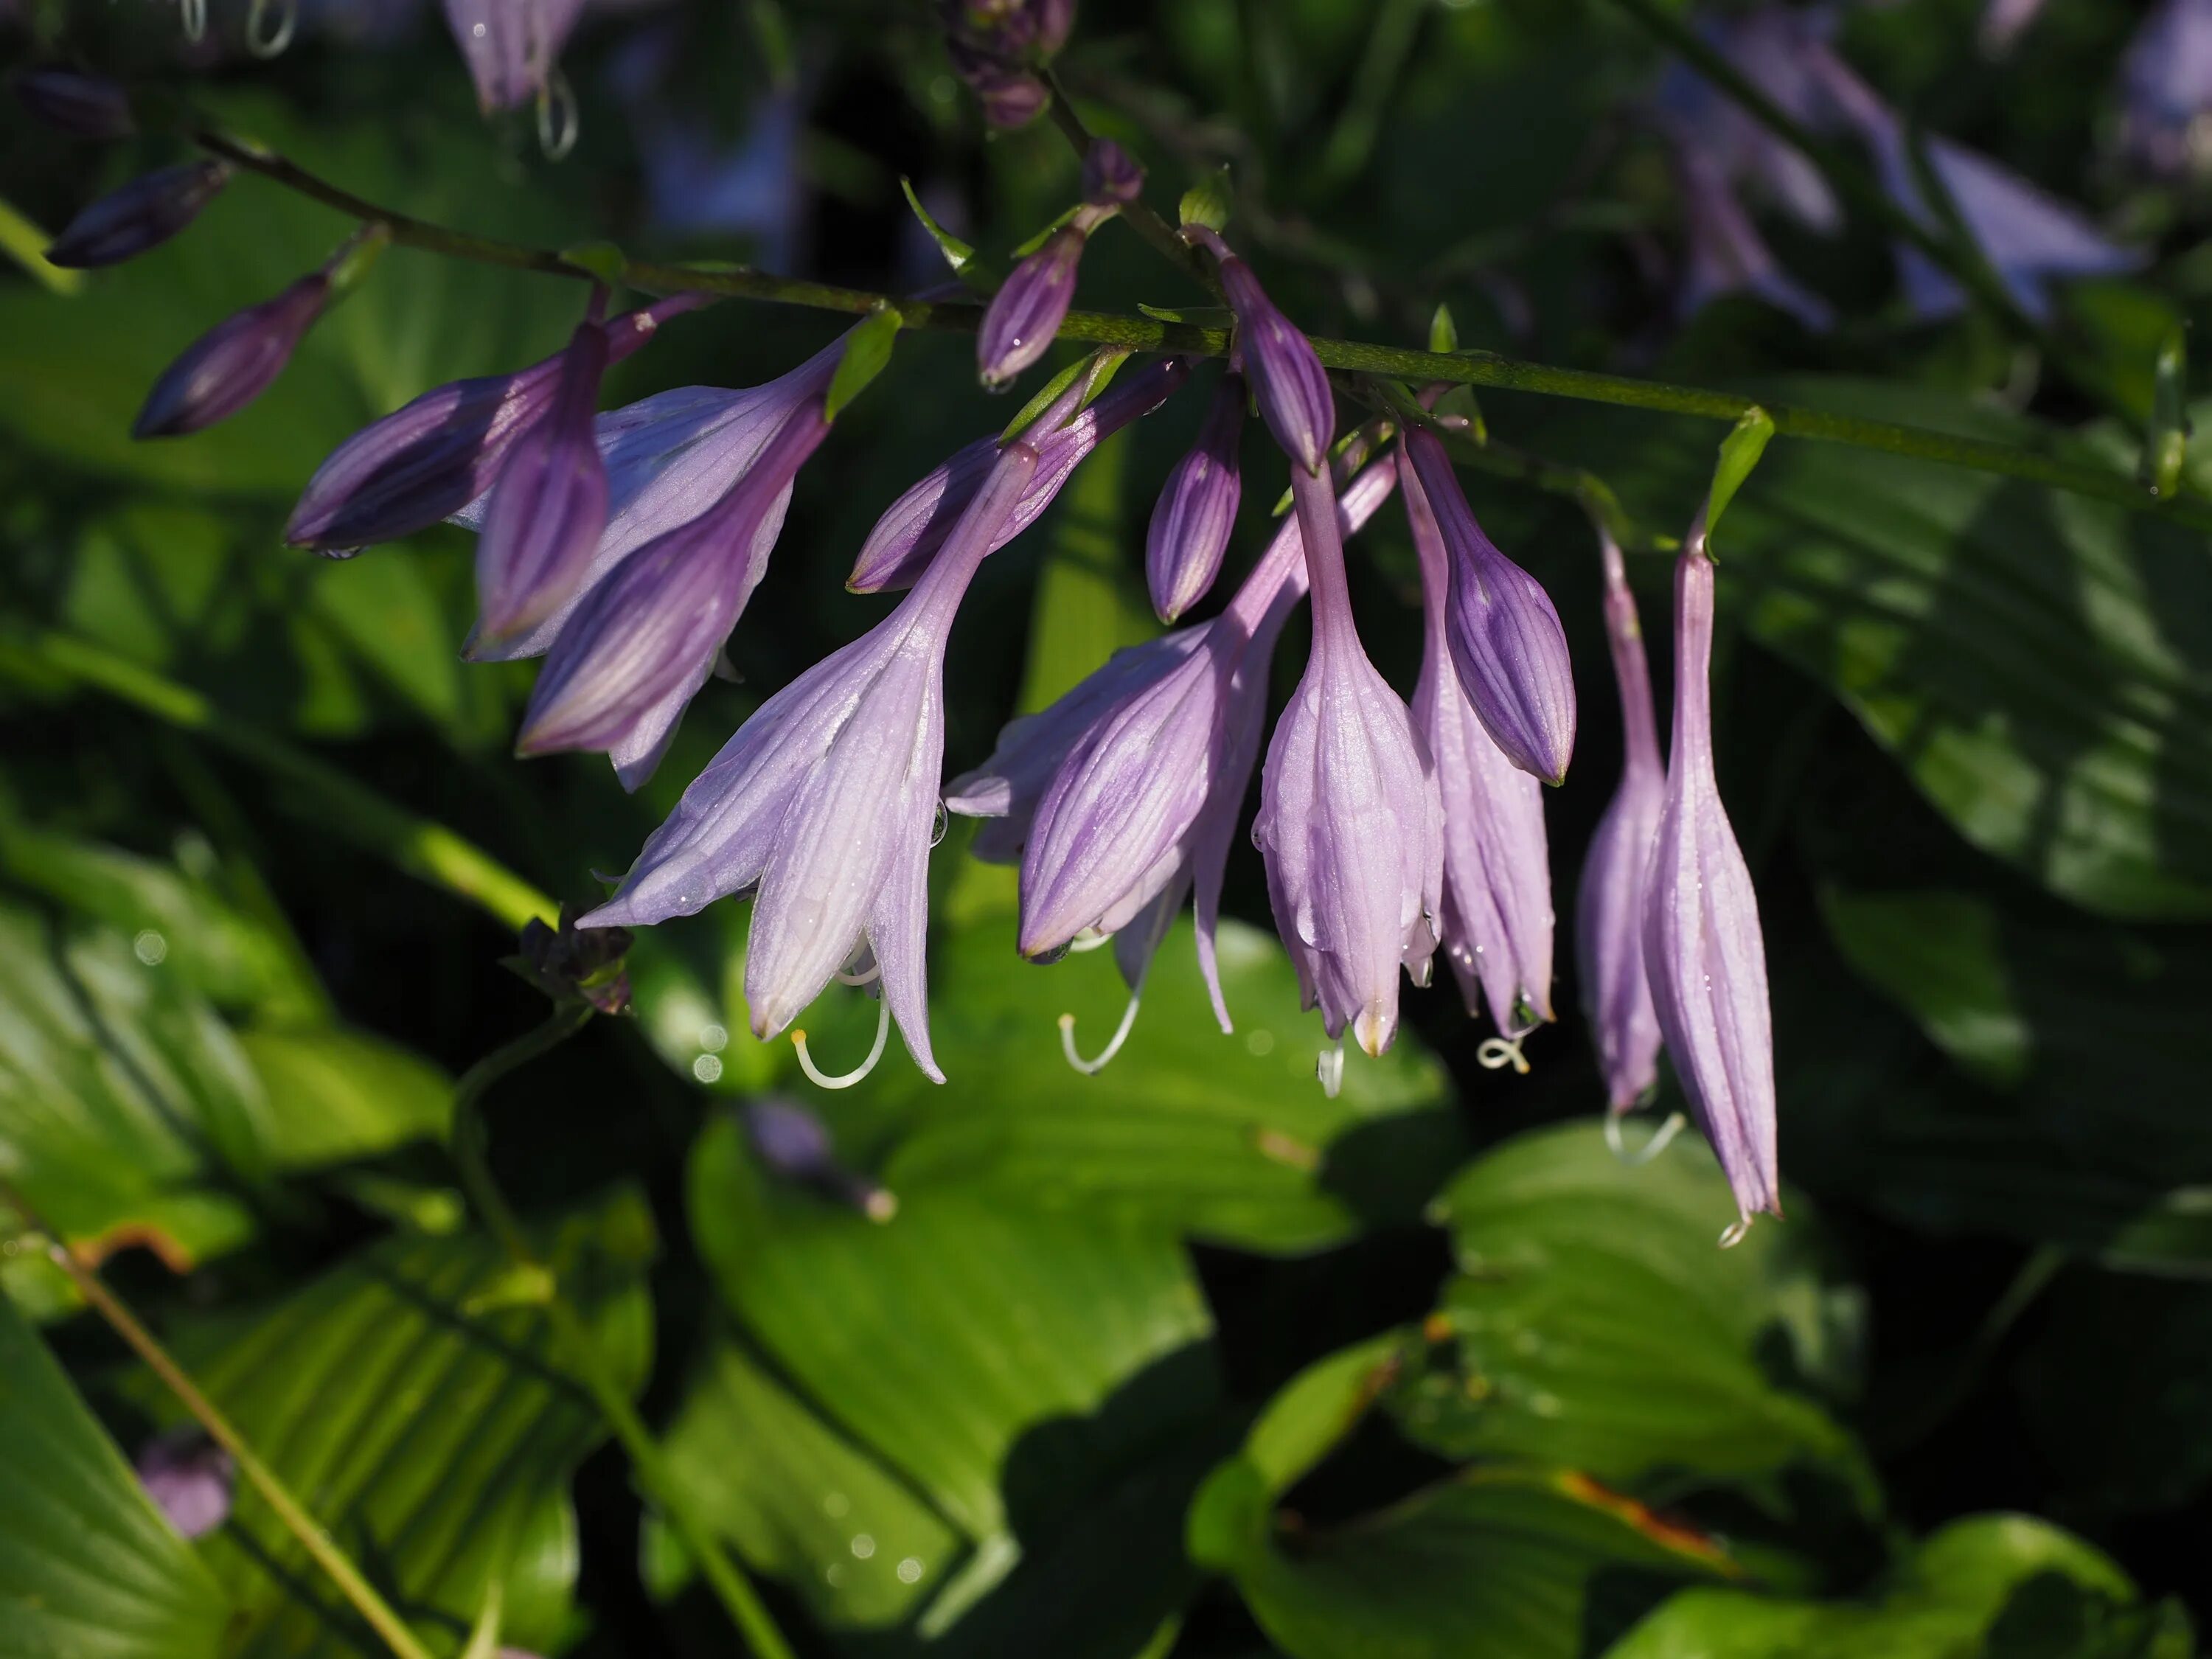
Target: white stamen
x=1733 y=1234
x=875 y=972
x=1650 y=1149
x=1498 y=1051
x=558 y=122
x=267 y=42
x=1329 y=1068
x=845 y=1081
x=193 y=13
x=1083 y=942
x=1092 y=1067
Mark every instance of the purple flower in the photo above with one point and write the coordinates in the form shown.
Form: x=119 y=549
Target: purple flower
x=1775 y=48
x=1702 y=947
x=421 y=465
x=1724 y=253
x=1125 y=793
x=1610 y=906
x=1197 y=509
x=1024 y=315
x=1110 y=177
x=550 y=505
x=72 y=101
x=1349 y=823
x=510 y=46
x=190 y=1478
x=795 y=1146
x=1288 y=381
x=824 y=803
x=143 y=214
x=1496 y=916
x=2166 y=88
x=1506 y=641
x=992 y=42
x=233 y=363
x=906 y=539
x=642 y=642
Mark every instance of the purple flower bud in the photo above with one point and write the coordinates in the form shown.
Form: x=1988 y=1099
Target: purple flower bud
x=1506 y=641
x=1197 y=509
x=1496 y=920
x=549 y=504
x=644 y=639
x=1011 y=96
x=190 y=1478
x=1702 y=947
x=233 y=363
x=1610 y=906
x=795 y=1144
x=1024 y=315
x=825 y=802
x=1109 y=176
x=143 y=214
x=510 y=46
x=1288 y=381
x=1350 y=822
x=906 y=537
x=421 y=465
x=81 y=105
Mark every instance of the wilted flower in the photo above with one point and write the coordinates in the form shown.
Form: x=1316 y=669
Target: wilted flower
x=1024 y=315
x=549 y=504
x=423 y=464
x=143 y=214
x=795 y=1144
x=1505 y=636
x=1197 y=508
x=1495 y=920
x=2166 y=88
x=510 y=46
x=1349 y=821
x=81 y=105
x=189 y=1478
x=825 y=802
x=913 y=527
x=233 y=363
x=1703 y=951
x=1288 y=381
x=1609 y=907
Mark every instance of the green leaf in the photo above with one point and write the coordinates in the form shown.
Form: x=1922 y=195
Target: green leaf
x=1966 y=1591
x=867 y=353
x=1740 y=453
x=1594 y=1323
x=434 y=1441
x=1941 y=956
x=87 y=1566
x=975 y=274
x=1444 y=332
x=602 y=259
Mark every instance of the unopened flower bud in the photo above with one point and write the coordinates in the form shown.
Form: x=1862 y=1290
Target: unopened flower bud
x=795 y=1144
x=1109 y=175
x=144 y=214
x=72 y=101
x=1288 y=381
x=189 y=1478
x=1197 y=509
x=233 y=363
x=1024 y=315
x=571 y=965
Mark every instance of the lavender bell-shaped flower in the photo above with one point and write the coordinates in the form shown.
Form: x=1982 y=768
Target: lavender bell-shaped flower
x=1496 y=918
x=1703 y=951
x=141 y=215
x=1506 y=639
x=912 y=529
x=1024 y=315
x=550 y=505
x=233 y=363
x=189 y=1478
x=1724 y=254
x=1609 y=906
x=2165 y=89
x=1288 y=382
x=825 y=803
x=1197 y=508
x=426 y=462
x=81 y=104
x=1349 y=823
x=510 y=46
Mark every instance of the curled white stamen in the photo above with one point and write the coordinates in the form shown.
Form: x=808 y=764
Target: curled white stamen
x=263 y=41
x=1733 y=1234
x=1092 y=1067
x=193 y=13
x=1650 y=1149
x=558 y=119
x=1329 y=1068
x=875 y=972
x=1083 y=942
x=1497 y=1052
x=847 y=1079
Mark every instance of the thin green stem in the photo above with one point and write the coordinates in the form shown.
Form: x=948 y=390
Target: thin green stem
x=580 y=1350
x=344 y=808
x=1145 y=334
x=1139 y=214
x=291 y=1513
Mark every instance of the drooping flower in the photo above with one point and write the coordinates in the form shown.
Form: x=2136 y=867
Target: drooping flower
x=427 y=461
x=1773 y=47
x=1124 y=795
x=2165 y=89
x=1024 y=315
x=1505 y=636
x=1349 y=824
x=1724 y=253
x=1495 y=920
x=1703 y=951
x=81 y=104
x=233 y=363
x=1197 y=508
x=825 y=801
x=794 y=1145
x=912 y=529
x=1609 y=906
x=189 y=1478
x=1288 y=382
x=511 y=46
x=141 y=215
x=548 y=506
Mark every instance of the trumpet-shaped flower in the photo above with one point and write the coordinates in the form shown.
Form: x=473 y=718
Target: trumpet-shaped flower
x=824 y=803
x=510 y=46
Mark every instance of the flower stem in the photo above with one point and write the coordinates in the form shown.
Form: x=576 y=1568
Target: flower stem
x=423 y=848
x=1139 y=214
x=287 y=1510
x=579 y=1349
